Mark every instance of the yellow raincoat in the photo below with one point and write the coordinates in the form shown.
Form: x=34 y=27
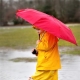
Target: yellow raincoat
x=48 y=55
x=48 y=58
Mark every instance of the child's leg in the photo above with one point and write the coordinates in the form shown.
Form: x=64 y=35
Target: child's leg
x=45 y=75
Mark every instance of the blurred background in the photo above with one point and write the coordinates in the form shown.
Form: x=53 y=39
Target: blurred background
x=17 y=38
x=67 y=11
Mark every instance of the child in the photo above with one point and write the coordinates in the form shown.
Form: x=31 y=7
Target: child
x=48 y=61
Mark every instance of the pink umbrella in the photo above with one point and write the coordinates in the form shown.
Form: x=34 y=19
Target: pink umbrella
x=48 y=23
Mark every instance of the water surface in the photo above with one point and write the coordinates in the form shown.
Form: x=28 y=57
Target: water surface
x=10 y=70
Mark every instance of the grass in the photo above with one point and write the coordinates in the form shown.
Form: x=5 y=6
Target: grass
x=17 y=38
x=23 y=38
x=70 y=50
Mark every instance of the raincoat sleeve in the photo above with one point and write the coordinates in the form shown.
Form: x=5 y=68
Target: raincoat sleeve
x=47 y=42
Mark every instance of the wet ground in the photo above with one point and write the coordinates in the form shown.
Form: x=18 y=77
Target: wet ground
x=10 y=70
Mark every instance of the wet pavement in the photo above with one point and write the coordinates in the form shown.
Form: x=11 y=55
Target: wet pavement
x=10 y=70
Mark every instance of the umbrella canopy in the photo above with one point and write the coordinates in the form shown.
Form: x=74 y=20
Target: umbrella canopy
x=48 y=23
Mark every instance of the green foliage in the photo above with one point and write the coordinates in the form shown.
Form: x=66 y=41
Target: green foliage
x=72 y=8
x=18 y=21
x=48 y=9
x=15 y=21
x=75 y=50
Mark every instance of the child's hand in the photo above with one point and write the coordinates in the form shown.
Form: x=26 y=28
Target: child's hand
x=35 y=52
x=38 y=41
x=30 y=78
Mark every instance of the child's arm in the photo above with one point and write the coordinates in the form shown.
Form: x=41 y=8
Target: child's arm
x=47 y=42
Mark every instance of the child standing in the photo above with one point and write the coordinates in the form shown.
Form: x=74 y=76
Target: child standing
x=48 y=61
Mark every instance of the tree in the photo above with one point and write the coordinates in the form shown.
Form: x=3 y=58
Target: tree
x=49 y=8
x=1 y=12
x=72 y=8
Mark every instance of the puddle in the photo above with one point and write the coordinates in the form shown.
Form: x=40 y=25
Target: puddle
x=21 y=70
